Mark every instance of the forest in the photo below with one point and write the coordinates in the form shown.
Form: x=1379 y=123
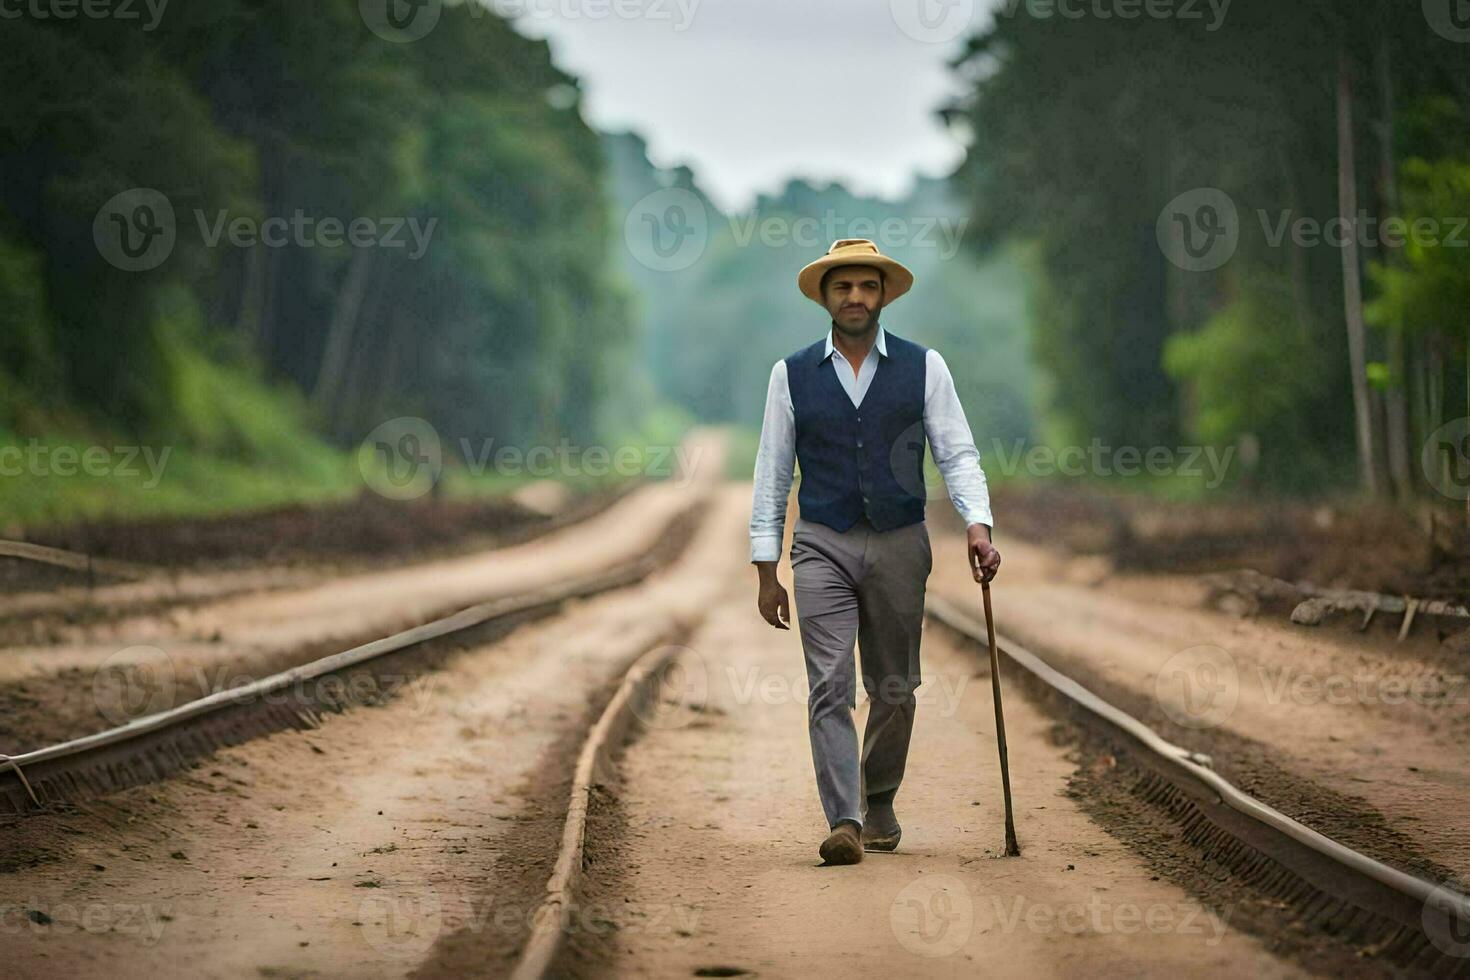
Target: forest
x=256 y=230
x=1329 y=343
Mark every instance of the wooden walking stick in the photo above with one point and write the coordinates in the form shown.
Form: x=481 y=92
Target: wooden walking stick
x=1012 y=848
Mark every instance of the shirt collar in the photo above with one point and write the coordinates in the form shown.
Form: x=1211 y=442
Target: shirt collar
x=879 y=344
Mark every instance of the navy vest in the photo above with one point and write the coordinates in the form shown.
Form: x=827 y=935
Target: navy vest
x=864 y=460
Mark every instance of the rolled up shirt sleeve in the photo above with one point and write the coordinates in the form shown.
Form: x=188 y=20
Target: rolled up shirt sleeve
x=775 y=463
x=953 y=445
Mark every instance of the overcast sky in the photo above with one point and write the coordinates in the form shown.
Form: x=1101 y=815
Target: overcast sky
x=750 y=93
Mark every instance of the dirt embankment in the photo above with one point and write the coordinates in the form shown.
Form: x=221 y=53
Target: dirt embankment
x=365 y=530
x=1340 y=545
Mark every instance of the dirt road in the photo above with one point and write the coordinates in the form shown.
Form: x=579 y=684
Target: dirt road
x=415 y=837
x=50 y=692
x=718 y=823
x=1355 y=736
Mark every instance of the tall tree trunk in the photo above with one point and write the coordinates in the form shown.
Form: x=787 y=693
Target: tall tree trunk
x=1397 y=418
x=326 y=393
x=1352 y=286
x=248 y=314
x=1434 y=390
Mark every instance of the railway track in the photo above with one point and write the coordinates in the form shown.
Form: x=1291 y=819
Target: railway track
x=1392 y=921
x=153 y=747
x=1419 y=926
x=1395 y=922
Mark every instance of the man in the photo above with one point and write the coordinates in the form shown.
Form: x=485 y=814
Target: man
x=854 y=410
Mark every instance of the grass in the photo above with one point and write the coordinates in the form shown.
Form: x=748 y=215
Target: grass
x=245 y=450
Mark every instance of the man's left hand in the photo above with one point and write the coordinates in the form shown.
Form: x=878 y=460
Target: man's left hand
x=984 y=559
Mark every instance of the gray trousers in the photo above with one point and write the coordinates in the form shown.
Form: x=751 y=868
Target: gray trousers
x=865 y=586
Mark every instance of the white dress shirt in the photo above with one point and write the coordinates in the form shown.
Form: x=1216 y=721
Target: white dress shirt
x=944 y=426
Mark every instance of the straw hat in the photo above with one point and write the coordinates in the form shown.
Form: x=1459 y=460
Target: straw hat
x=855 y=251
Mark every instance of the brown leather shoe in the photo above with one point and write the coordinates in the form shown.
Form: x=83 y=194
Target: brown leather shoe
x=881 y=841
x=881 y=831
x=842 y=846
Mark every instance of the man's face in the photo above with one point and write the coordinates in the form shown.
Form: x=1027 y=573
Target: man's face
x=854 y=295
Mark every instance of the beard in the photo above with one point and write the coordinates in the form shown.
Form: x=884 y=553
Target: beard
x=851 y=329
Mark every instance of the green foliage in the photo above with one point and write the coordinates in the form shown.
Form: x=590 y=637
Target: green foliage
x=1428 y=287
x=715 y=329
x=1084 y=129
x=508 y=325
x=1247 y=373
